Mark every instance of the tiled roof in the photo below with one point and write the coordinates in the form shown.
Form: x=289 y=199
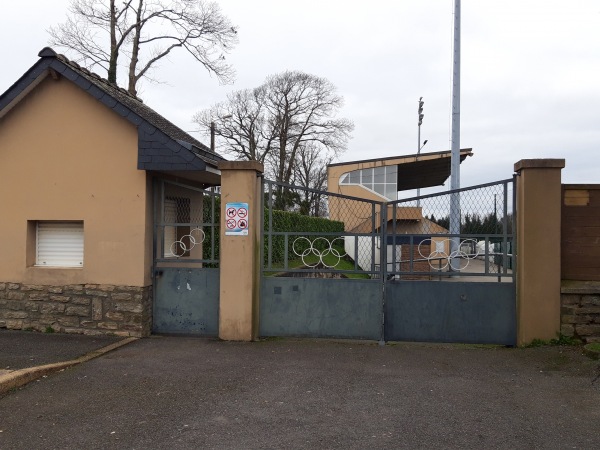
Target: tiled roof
x=162 y=145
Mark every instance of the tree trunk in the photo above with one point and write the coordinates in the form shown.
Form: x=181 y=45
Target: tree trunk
x=114 y=51
x=135 y=49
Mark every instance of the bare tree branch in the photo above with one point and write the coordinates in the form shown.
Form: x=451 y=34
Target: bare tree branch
x=288 y=124
x=102 y=32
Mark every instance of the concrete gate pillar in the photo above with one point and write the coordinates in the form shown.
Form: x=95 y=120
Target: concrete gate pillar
x=538 y=248
x=240 y=253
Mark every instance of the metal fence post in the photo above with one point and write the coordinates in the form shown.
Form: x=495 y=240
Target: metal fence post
x=261 y=242
x=270 y=229
x=383 y=267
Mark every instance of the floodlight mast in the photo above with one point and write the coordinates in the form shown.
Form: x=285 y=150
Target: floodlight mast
x=455 y=147
x=420 y=115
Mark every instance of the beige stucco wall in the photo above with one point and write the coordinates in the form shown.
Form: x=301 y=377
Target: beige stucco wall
x=65 y=156
x=538 y=248
x=240 y=255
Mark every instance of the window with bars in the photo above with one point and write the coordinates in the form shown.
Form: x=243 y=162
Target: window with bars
x=176 y=213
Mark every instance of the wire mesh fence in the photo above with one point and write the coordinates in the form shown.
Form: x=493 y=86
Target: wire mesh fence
x=468 y=232
x=307 y=232
x=187 y=225
x=314 y=233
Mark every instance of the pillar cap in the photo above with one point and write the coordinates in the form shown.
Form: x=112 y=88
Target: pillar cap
x=241 y=165
x=541 y=163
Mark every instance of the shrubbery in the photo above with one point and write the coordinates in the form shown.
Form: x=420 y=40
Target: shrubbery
x=284 y=221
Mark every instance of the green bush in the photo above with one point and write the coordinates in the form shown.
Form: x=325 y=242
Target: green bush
x=284 y=221
x=216 y=221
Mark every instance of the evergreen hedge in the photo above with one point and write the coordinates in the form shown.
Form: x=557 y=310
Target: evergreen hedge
x=283 y=221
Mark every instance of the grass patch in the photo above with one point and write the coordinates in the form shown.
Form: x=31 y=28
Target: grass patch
x=594 y=346
x=592 y=350
x=329 y=260
x=560 y=340
x=271 y=339
x=482 y=346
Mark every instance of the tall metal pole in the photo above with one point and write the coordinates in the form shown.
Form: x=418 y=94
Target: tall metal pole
x=419 y=146
x=455 y=148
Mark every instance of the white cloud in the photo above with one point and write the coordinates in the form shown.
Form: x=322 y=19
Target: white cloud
x=529 y=72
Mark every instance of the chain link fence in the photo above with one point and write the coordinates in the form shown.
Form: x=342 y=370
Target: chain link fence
x=420 y=244
x=315 y=233
x=319 y=234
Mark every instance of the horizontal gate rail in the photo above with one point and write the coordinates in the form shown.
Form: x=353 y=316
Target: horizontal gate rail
x=507 y=181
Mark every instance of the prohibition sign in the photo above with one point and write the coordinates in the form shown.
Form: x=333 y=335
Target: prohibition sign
x=237 y=215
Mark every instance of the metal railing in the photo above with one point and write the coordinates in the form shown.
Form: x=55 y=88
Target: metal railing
x=307 y=231
x=310 y=232
x=420 y=244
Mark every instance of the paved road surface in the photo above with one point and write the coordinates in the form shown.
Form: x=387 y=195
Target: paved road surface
x=185 y=393
x=21 y=349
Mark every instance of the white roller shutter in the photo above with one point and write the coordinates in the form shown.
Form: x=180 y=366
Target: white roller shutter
x=59 y=244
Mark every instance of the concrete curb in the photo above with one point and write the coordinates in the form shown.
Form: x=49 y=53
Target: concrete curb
x=21 y=377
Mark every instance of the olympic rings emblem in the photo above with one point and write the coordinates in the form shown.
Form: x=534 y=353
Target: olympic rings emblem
x=179 y=248
x=438 y=252
x=321 y=254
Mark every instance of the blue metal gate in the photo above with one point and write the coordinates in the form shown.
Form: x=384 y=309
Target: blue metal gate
x=321 y=274
x=340 y=266
x=445 y=287
x=186 y=260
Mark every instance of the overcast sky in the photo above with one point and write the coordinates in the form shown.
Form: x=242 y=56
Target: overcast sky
x=530 y=73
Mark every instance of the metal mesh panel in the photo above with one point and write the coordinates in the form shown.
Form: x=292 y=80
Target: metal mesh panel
x=319 y=234
x=187 y=225
x=315 y=233
x=464 y=232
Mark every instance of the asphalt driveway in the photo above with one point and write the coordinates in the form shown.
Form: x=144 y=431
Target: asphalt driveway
x=186 y=393
x=22 y=349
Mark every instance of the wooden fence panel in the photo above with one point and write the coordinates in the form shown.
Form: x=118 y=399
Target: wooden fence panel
x=580 y=232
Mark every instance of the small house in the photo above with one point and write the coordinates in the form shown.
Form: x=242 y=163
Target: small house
x=79 y=158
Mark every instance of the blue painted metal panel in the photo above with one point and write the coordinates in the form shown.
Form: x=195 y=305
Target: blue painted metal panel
x=318 y=307
x=187 y=301
x=433 y=311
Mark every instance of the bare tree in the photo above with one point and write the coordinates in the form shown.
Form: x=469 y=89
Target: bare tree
x=302 y=109
x=241 y=123
x=281 y=123
x=145 y=31
x=310 y=171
